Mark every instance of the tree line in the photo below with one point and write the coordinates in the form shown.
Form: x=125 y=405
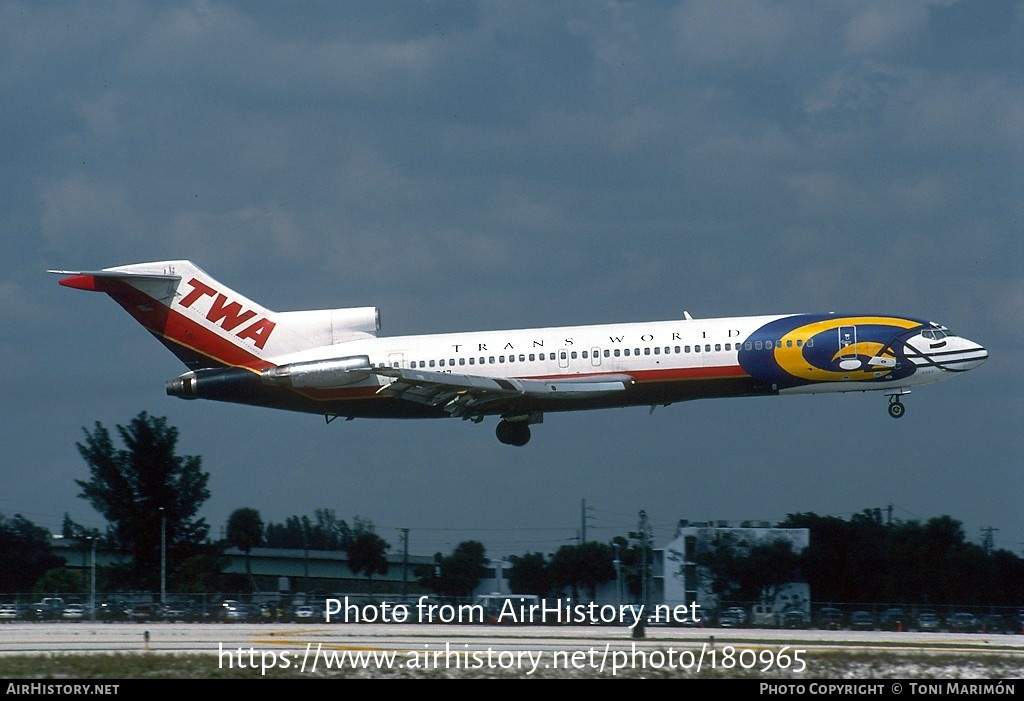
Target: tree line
x=150 y=498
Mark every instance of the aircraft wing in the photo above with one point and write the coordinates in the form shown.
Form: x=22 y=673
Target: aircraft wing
x=469 y=396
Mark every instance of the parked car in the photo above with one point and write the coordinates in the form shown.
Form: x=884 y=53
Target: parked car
x=963 y=622
x=74 y=612
x=143 y=612
x=113 y=610
x=47 y=609
x=732 y=617
x=795 y=618
x=928 y=622
x=862 y=620
x=175 y=611
x=11 y=612
x=894 y=619
x=830 y=619
x=307 y=612
x=994 y=623
x=239 y=612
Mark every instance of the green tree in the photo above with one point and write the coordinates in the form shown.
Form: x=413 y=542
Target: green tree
x=60 y=580
x=202 y=573
x=583 y=567
x=529 y=574
x=367 y=555
x=146 y=492
x=322 y=532
x=25 y=554
x=457 y=575
x=245 y=532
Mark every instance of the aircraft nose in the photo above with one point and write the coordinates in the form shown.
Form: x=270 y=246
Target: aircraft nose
x=970 y=356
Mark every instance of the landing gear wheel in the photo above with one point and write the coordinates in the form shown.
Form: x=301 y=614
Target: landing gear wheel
x=896 y=409
x=513 y=432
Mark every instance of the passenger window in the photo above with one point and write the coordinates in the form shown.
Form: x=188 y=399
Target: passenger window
x=522 y=358
x=746 y=345
x=757 y=345
x=799 y=342
x=718 y=346
x=657 y=350
x=678 y=349
x=647 y=351
x=707 y=347
x=441 y=362
x=625 y=351
x=768 y=345
x=501 y=359
x=431 y=363
x=607 y=353
x=583 y=354
x=617 y=352
x=573 y=355
x=686 y=349
x=462 y=361
x=472 y=361
x=491 y=360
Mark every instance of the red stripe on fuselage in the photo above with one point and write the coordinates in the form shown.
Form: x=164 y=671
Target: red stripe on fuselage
x=646 y=377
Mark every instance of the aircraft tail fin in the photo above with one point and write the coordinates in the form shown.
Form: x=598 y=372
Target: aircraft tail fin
x=207 y=324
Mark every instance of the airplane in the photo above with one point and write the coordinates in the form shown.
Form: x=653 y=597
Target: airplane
x=332 y=362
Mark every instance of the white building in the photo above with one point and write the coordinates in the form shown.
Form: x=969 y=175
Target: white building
x=686 y=582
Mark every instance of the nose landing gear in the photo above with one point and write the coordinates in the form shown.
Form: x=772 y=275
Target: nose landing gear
x=896 y=408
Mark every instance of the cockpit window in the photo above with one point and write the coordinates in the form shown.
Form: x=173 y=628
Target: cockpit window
x=936 y=334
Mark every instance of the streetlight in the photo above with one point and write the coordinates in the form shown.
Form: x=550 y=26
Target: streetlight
x=163 y=556
x=92 y=582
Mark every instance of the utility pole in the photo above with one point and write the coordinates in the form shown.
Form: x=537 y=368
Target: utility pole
x=644 y=532
x=92 y=582
x=583 y=521
x=987 y=541
x=405 y=560
x=163 y=556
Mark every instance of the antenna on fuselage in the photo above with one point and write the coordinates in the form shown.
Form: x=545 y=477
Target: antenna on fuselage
x=686 y=315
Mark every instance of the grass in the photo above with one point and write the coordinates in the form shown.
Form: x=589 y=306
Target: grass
x=855 y=665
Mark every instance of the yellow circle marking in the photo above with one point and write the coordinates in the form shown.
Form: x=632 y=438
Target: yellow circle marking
x=791 y=359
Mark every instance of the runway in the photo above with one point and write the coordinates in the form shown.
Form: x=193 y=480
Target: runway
x=527 y=650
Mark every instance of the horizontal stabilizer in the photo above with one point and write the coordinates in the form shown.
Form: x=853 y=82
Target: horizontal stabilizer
x=86 y=279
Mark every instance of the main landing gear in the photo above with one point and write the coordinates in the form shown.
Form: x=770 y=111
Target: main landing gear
x=896 y=407
x=513 y=432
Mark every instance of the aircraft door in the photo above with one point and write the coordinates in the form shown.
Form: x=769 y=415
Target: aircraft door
x=595 y=357
x=848 y=348
x=847 y=342
x=563 y=358
x=396 y=360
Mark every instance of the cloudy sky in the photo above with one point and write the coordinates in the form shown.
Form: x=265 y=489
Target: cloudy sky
x=485 y=165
